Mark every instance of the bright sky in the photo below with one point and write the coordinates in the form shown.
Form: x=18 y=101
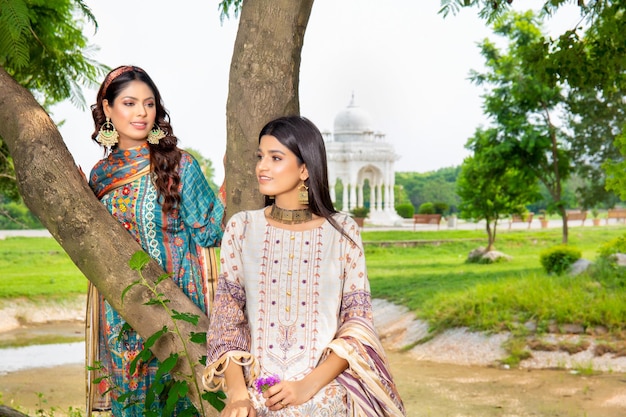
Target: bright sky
x=406 y=65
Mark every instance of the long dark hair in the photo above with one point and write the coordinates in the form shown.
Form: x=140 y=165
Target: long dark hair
x=303 y=138
x=164 y=156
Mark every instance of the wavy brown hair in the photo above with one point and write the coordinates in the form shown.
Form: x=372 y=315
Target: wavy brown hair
x=164 y=156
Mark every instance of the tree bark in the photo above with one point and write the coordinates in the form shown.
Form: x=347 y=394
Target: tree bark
x=55 y=191
x=263 y=84
x=10 y=412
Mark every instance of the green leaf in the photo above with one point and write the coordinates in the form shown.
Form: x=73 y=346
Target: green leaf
x=128 y=289
x=124 y=397
x=143 y=356
x=178 y=390
x=166 y=366
x=139 y=260
x=189 y=318
x=150 y=396
x=188 y=412
x=162 y=278
x=125 y=328
x=216 y=399
x=198 y=337
x=152 y=339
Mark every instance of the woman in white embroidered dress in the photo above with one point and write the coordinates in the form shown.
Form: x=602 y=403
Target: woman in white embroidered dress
x=293 y=301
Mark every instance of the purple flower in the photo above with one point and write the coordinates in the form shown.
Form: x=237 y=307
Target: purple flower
x=262 y=384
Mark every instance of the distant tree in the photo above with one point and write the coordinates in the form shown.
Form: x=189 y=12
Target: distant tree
x=591 y=65
x=524 y=107
x=15 y=215
x=400 y=195
x=492 y=9
x=616 y=180
x=490 y=187
x=435 y=186
x=570 y=198
x=594 y=121
x=206 y=165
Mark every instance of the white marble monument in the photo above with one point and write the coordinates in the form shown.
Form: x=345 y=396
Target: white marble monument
x=355 y=154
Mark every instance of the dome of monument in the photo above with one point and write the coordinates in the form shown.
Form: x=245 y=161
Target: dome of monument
x=352 y=119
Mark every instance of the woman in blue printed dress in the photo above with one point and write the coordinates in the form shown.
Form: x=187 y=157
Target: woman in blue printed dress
x=160 y=195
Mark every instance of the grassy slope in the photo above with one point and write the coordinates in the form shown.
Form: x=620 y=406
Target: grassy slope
x=435 y=282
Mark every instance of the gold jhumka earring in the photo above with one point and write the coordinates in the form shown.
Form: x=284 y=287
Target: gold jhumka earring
x=107 y=135
x=303 y=194
x=155 y=135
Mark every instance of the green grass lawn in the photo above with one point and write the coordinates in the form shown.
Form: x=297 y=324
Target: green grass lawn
x=37 y=267
x=430 y=278
x=433 y=279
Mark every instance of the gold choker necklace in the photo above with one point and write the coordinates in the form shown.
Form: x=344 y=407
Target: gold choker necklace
x=290 y=216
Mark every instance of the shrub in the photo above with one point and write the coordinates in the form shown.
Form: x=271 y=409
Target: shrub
x=608 y=273
x=361 y=212
x=559 y=259
x=441 y=208
x=617 y=245
x=406 y=211
x=426 y=208
x=15 y=215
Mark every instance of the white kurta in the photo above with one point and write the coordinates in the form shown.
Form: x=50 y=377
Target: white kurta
x=282 y=297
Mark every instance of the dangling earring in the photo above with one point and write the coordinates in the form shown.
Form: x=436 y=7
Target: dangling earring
x=155 y=135
x=107 y=136
x=303 y=194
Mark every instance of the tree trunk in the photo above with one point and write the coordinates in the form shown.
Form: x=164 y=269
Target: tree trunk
x=565 y=226
x=55 y=191
x=490 y=236
x=263 y=84
x=10 y=412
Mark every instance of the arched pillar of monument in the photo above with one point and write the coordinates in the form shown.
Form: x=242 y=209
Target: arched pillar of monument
x=359 y=196
x=353 y=202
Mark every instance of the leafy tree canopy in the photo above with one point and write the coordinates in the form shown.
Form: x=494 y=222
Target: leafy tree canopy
x=206 y=165
x=493 y=9
x=43 y=48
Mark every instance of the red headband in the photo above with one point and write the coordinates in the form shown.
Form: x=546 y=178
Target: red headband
x=116 y=73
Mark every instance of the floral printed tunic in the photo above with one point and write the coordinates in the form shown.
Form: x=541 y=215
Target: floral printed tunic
x=175 y=240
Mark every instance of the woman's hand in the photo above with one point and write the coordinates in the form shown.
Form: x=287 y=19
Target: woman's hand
x=287 y=393
x=239 y=408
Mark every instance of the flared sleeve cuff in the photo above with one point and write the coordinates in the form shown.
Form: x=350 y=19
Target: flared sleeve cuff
x=213 y=377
